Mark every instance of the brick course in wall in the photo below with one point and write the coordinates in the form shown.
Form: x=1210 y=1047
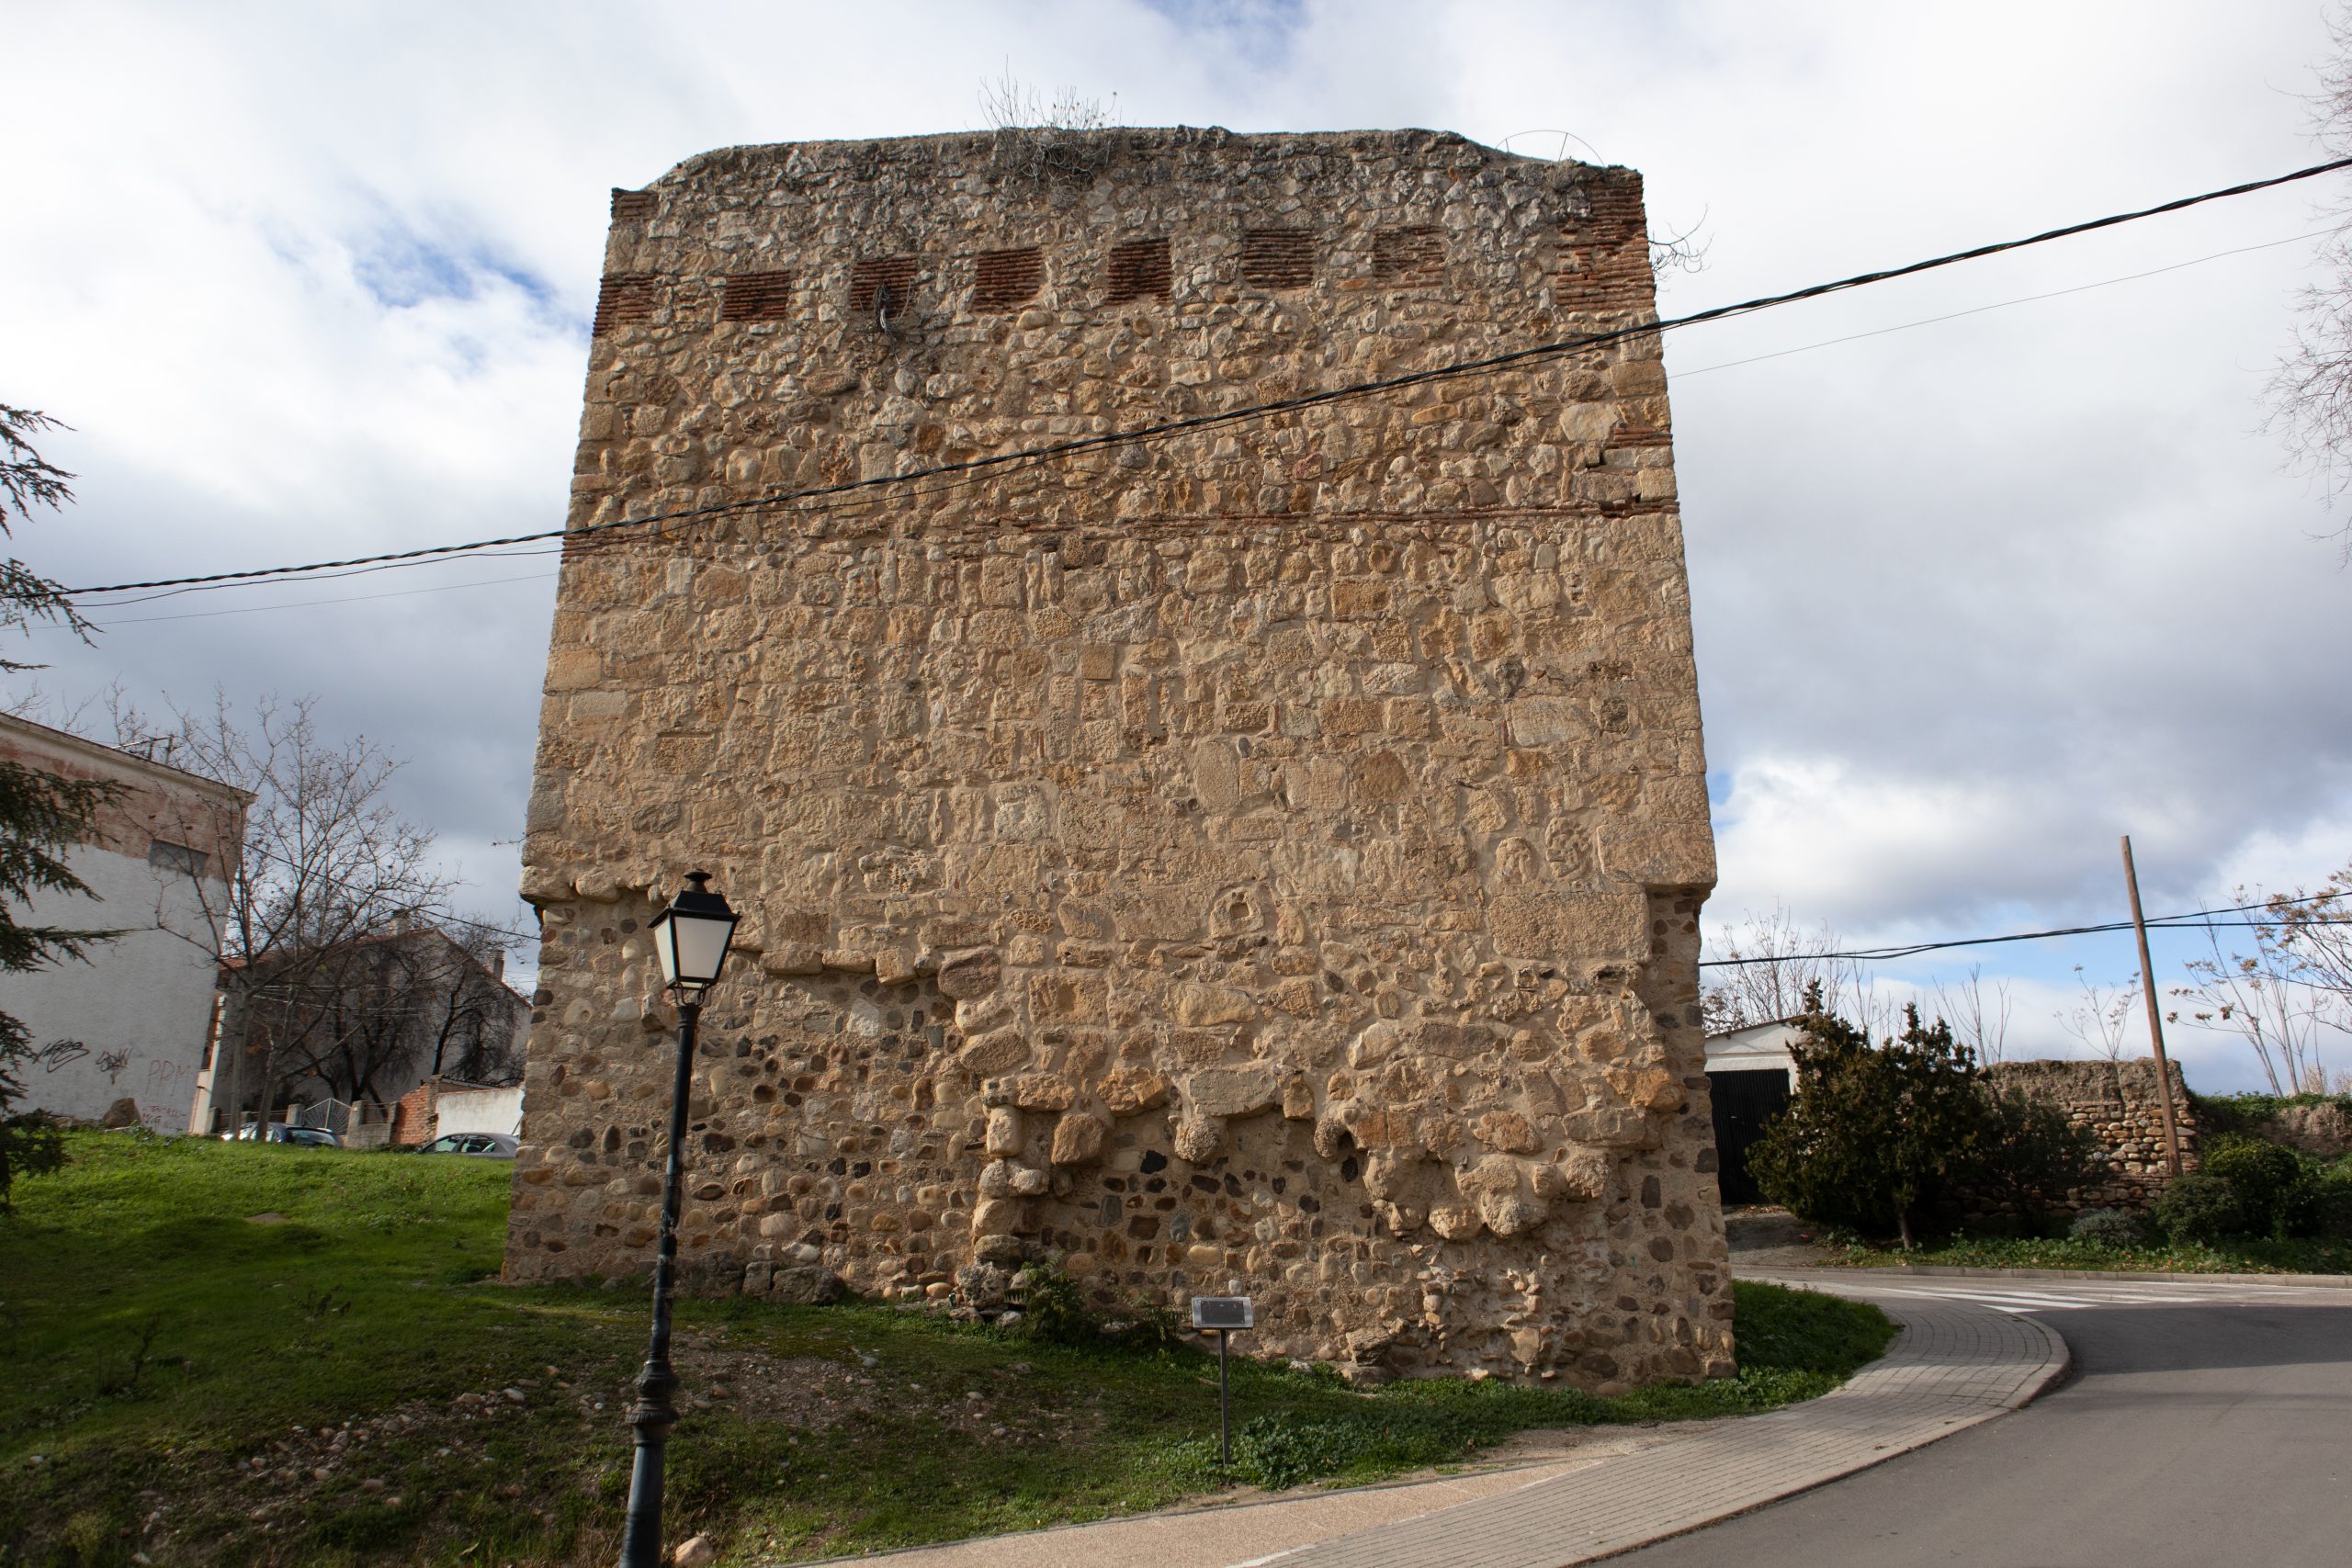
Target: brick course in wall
x=1268 y=855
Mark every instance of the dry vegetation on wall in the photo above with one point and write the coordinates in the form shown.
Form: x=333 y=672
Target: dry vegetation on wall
x=1270 y=854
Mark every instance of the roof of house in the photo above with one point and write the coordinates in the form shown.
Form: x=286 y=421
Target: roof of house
x=1792 y=1021
x=115 y=757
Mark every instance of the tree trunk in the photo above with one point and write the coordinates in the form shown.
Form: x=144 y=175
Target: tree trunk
x=228 y=1058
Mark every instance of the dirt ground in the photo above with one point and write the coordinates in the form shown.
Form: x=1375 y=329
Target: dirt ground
x=1763 y=1237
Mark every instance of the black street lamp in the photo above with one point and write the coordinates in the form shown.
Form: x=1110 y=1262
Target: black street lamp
x=691 y=936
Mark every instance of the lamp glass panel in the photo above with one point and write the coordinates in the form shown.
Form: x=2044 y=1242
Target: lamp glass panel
x=701 y=948
x=665 y=945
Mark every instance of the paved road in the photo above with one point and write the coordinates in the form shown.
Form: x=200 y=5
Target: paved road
x=2205 y=1424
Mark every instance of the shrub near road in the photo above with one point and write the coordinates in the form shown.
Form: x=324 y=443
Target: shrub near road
x=256 y=1354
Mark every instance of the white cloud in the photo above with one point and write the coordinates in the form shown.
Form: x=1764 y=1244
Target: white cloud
x=1973 y=598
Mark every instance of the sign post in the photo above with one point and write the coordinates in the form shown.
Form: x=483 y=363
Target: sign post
x=1221 y=1315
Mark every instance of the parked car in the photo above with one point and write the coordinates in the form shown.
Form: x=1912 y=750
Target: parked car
x=284 y=1133
x=483 y=1146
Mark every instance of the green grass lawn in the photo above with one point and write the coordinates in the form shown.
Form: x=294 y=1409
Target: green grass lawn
x=2319 y=1256
x=267 y=1355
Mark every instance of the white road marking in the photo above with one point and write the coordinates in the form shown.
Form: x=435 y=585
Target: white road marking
x=2094 y=1294
x=2074 y=1295
x=2001 y=1298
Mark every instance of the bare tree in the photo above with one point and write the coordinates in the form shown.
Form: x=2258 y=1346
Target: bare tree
x=383 y=1010
x=2276 y=998
x=2311 y=391
x=1980 y=1025
x=475 y=1014
x=326 y=862
x=2102 y=1016
x=1762 y=968
x=2316 y=929
x=340 y=961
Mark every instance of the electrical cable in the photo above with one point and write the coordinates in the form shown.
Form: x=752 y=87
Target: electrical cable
x=307 y=603
x=1998 y=305
x=1350 y=392
x=2195 y=919
x=1678 y=375
x=332 y=576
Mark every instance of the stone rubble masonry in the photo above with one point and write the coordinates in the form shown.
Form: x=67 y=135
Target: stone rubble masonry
x=2322 y=1128
x=2117 y=1103
x=1268 y=857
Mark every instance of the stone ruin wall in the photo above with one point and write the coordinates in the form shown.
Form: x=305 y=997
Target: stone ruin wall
x=2117 y=1103
x=1267 y=855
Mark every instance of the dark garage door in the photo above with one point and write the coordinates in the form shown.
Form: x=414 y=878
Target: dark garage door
x=1744 y=1103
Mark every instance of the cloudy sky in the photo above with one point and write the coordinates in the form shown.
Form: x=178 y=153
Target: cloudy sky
x=1973 y=596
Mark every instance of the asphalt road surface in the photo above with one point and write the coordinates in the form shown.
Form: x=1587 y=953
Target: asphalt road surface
x=2202 y=1425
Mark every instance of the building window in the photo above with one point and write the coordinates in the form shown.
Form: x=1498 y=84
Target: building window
x=164 y=856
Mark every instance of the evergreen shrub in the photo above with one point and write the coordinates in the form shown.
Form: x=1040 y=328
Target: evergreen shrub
x=2198 y=1207
x=2274 y=1195
x=2109 y=1227
x=2328 y=1185
x=1881 y=1135
x=1877 y=1134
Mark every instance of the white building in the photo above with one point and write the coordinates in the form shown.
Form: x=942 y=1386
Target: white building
x=132 y=1019
x=1757 y=1048
x=470 y=1109
x=1751 y=1077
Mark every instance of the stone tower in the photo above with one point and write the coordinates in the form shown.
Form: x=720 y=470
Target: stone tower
x=1268 y=852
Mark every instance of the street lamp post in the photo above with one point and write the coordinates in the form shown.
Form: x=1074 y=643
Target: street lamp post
x=691 y=937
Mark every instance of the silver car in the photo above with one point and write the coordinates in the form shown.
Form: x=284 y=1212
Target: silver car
x=282 y=1133
x=484 y=1145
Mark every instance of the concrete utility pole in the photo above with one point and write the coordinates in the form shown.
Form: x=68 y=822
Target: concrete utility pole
x=2156 y=1016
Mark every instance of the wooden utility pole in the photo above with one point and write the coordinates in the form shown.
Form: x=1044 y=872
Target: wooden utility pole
x=2156 y=1015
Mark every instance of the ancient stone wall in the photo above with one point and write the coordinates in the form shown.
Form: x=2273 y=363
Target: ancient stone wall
x=2323 y=1127
x=1268 y=853
x=2118 y=1104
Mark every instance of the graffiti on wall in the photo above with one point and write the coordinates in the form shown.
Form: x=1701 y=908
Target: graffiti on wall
x=59 y=1052
x=164 y=1098
x=160 y=1086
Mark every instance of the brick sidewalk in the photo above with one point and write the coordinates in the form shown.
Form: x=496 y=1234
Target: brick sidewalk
x=1956 y=1363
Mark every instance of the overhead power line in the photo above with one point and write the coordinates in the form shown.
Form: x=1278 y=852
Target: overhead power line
x=113 y=622
x=1033 y=455
x=308 y=604
x=2195 y=919
x=1997 y=305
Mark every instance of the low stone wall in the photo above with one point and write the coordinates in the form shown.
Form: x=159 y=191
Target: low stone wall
x=2118 y=1104
x=2323 y=1128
